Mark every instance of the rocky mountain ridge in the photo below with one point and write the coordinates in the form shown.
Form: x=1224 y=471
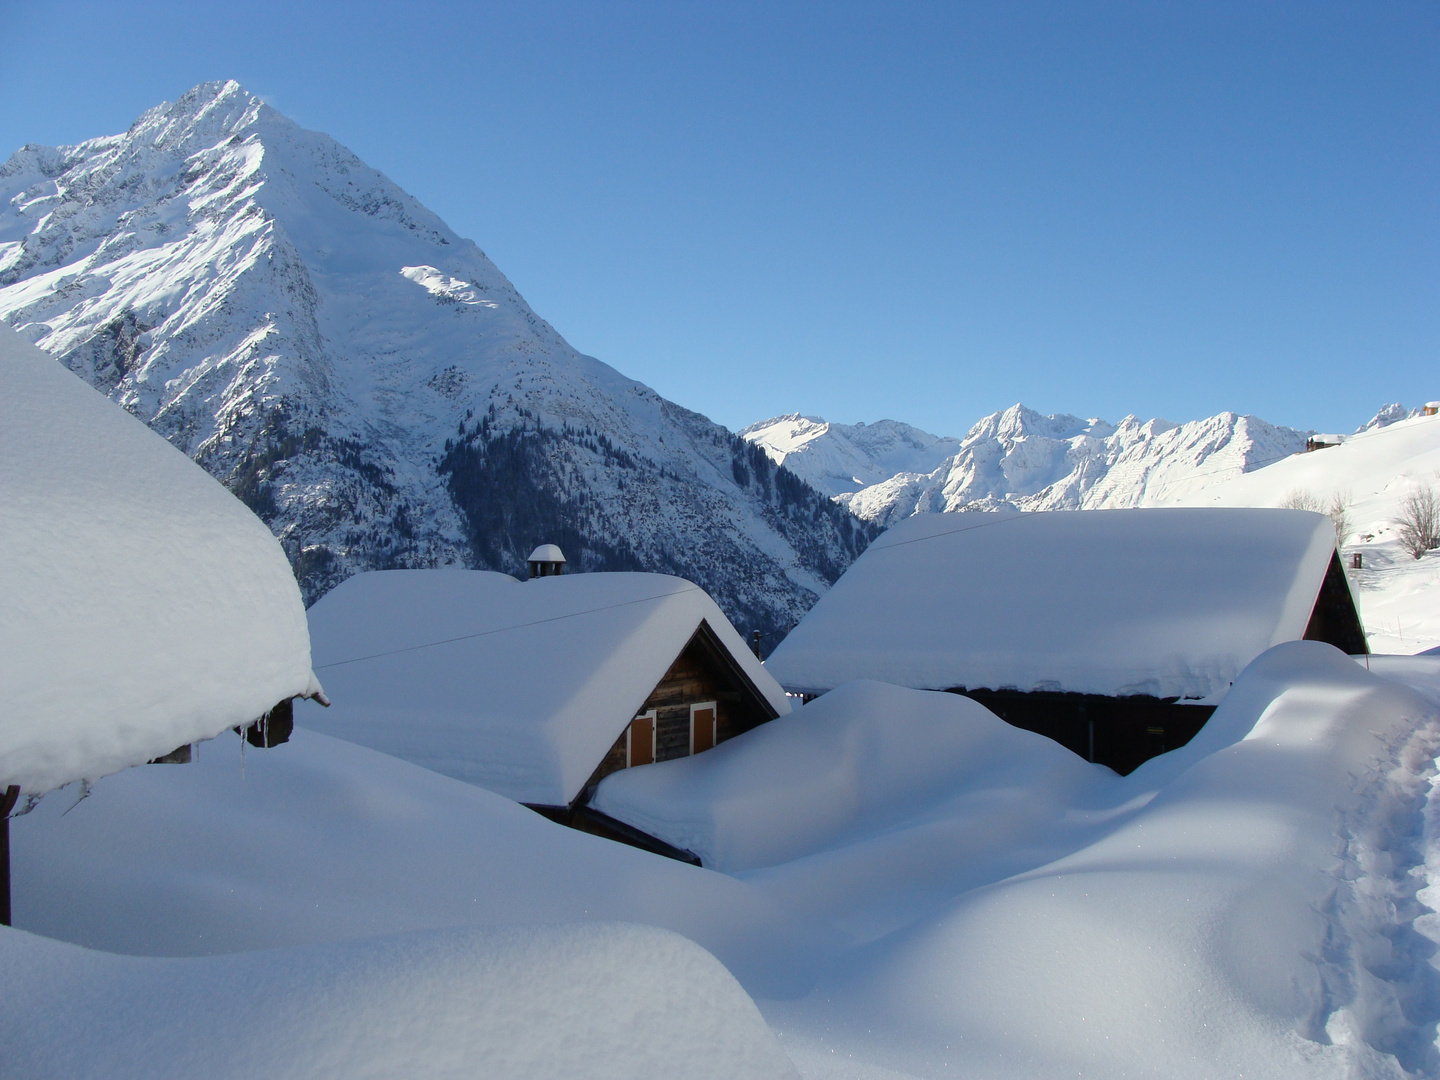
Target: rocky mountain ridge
x=1019 y=459
x=367 y=380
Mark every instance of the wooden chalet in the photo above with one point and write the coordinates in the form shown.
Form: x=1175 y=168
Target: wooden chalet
x=1114 y=632
x=536 y=690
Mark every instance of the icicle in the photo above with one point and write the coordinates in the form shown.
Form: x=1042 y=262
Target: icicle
x=243 y=741
x=85 y=788
x=31 y=801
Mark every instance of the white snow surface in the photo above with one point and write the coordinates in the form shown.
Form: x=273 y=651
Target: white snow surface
x=145 y=606
x=846 y=768
x=1372 y=471
x=320 y=840
x=1019 y=459
x=1166 y=602
x=583 y=1001
x=1248 y=905
x=520 y=687
x=1252 y=904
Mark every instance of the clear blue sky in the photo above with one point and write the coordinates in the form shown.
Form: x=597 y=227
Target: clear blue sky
x=918 y=211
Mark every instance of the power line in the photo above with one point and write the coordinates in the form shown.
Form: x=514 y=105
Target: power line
x=513 y=626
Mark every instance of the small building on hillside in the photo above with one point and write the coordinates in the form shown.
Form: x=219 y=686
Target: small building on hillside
x=1114 y=632
x=146 y=608
x=535 y=690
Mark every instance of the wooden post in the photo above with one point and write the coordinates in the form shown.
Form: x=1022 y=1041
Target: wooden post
x=1357 y=560
x=755 y=644
x=7 y=803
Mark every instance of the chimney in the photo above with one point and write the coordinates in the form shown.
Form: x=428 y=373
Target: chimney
x=547 y=560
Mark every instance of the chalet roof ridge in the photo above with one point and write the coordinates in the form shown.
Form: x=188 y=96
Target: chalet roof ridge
x=510 y=628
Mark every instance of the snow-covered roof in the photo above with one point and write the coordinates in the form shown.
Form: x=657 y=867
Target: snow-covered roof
x=518 y=687
x=145 y=606
x=547 y=553
x=1169 y=602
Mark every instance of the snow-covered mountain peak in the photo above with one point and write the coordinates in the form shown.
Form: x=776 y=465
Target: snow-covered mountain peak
x=1388 y=414
x=366 y=379
x=1018 y=422
x=844 y=458
x=1019 y=459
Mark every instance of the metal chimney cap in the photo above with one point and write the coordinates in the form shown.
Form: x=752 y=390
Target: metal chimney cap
x=548 y=553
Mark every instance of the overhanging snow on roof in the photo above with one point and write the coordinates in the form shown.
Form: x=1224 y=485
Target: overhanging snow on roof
x=1165 y=602
x=519 y=687
x=145 y=606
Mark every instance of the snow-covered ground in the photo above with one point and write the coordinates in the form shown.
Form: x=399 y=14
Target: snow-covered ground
x=581 y=1000
x=1253 y=904
x=1372 y=472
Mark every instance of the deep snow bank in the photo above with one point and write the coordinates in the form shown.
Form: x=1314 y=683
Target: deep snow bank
x=865 y=759
x=597 y=1000
x=320 y=840
x=1234 y=925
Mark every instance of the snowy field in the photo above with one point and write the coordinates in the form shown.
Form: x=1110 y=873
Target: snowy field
x=1257 y=903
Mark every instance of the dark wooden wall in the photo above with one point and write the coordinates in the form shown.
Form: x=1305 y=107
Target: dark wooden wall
x=704 y=671
x=1334 y=619
x=1121 y=732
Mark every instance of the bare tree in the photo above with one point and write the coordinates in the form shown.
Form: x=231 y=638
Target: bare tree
x=1301 y=499
x=1339 y=512
x=1338 y=508
x=1419 y=521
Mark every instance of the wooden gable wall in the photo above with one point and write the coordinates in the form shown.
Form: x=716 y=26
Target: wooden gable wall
x=704 y=671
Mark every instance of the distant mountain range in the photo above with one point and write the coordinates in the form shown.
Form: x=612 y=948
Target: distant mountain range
x=1019 y=460
x=368 y=381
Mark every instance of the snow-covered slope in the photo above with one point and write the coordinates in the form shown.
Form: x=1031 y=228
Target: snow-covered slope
x=1019 y=460
x=844 y=458
x=368 y=381
x=1372 y=472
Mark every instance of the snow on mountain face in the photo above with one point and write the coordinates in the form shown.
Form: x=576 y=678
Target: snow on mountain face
x=1020 y=460
x=844 y=458
x=1389 y=414
x=368 y=381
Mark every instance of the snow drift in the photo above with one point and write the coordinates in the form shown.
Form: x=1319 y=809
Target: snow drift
x=1248 y=909
x=584 y=1001
x=862 y=760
